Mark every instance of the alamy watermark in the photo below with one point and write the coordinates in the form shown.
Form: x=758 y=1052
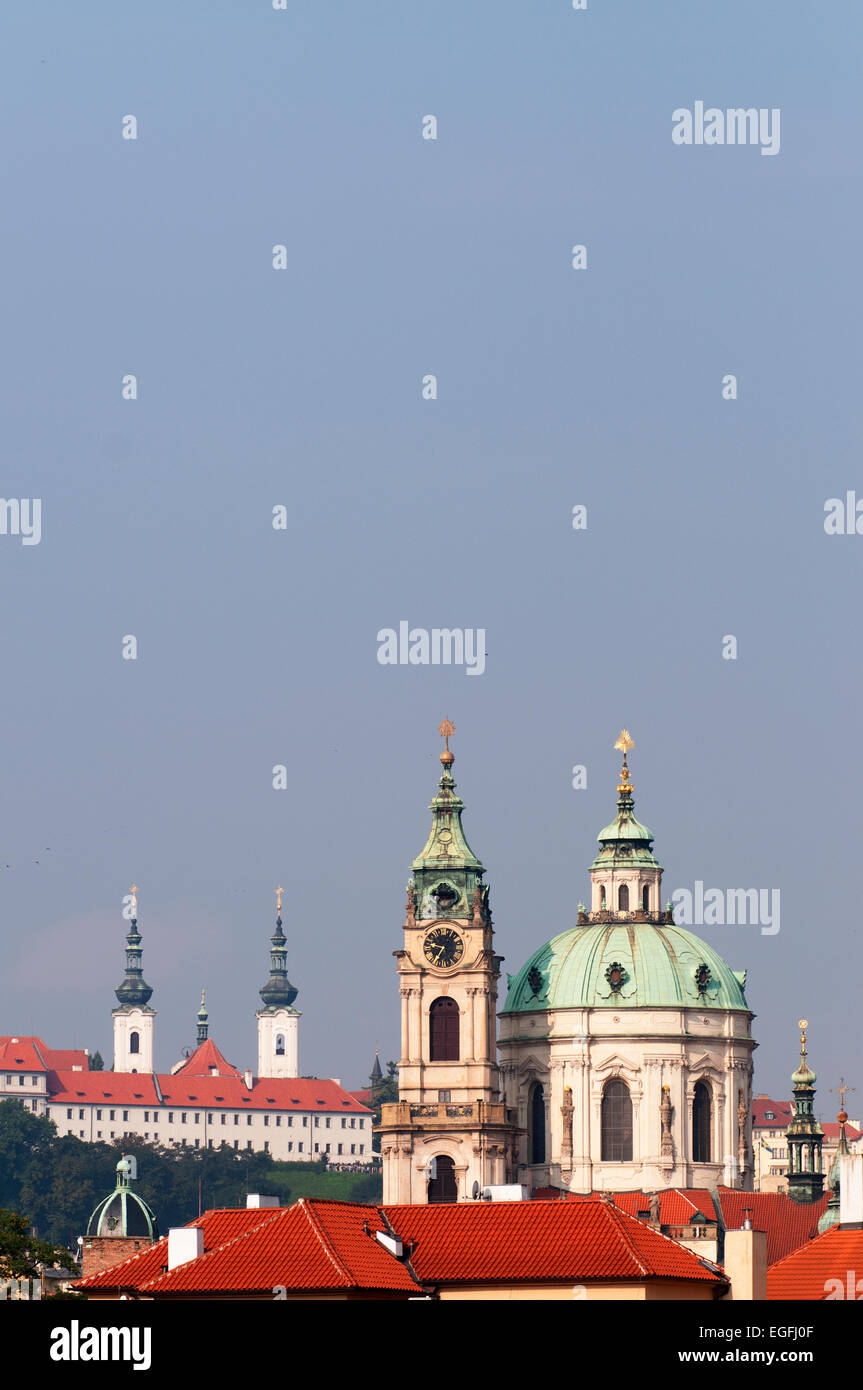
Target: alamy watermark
x=21 y=1290
x=437 y=646
x=734 y=126
x=727 y=907
x=21 y=516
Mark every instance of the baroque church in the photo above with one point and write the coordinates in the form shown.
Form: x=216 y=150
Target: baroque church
x=624 y=1056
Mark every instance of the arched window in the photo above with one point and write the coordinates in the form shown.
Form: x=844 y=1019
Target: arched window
x=280 y=1045
x=134 y=1042
x=443 y=1187
x=701 y=1123
x=602 y=897
x=537 y=1124
x=443 y=1031
x=623 y=898
x=645 y=897
x=616 y=1123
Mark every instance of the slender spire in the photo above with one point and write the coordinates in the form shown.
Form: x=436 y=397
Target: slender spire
x=278 y=992
x=134 y=989
x=830 y=1215
x=203 y=1020
x=624 y=743
x=446 y=873
x=804 y=1133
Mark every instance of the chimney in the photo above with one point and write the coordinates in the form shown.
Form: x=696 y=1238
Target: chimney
x=184 y=1243
x=851 y=1192
x=257 y=1199
x=248 y=1079
x=746 y=1264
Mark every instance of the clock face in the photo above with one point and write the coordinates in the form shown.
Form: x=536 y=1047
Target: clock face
x=443 y=947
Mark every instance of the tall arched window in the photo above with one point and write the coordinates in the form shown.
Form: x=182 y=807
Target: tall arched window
x=701 y=1123
x=134 y=1042
x=280 y=1045
x=443 y=1031
x=537 y=1124
x=443 y=1187
x=616 y=1123
x=602 y=897
x=623 y=898
x=645 y=897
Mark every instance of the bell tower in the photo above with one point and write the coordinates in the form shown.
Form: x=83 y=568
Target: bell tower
x=134 y=1019
x=278 y=1020
x=448 y=1130
x=804 y=1134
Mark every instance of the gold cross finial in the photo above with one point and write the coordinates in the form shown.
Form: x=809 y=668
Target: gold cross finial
x=446 y=729
x=279 y=892
x=203 y=995
x=841 y=1089
x=624 y=743
x=134 y=891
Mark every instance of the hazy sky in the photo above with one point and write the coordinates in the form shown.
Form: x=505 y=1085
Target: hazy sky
x=302 y=387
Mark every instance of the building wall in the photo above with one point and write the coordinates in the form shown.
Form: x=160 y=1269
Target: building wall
x=282 y=1023
x=649 y=1291
x=101 y=1252
x=294 y=1137
x=646 y=1048
x=134 y=1021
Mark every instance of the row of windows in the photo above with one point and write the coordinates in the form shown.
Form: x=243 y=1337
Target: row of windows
x=616 y=1123
x=184 y=1118
x=22 y=1080
x=623 y=898
x=356 y=1149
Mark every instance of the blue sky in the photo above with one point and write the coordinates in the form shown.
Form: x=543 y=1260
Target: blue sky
x=302 y=388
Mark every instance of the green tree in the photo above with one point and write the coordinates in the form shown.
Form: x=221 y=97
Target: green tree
x=20 y=1250
x=96 y=1062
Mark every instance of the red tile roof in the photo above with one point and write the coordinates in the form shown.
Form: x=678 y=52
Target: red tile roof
x=825 y=1268
x=488 y=1242
x=202 y=1061
x=309 y=1246
x=331 y=1246
x=31 y=1054
x=202 y=1092
x=781 y=1110
x=678 y=1206
x=219 y=1224
x=788 y=1224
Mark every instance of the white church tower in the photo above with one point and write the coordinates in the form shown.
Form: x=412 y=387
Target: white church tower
x=134 y=1019
x=278 y=1021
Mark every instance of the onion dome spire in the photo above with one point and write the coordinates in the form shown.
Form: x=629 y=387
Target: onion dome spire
x=804 y=1133
x=134 y=989
x=203 y=1020
x=446 y=874
x=278 y=992
x=124 y=1213
x=626 y=843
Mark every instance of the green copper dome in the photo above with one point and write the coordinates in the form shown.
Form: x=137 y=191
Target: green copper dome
x=619 y=965
x=123 y=1212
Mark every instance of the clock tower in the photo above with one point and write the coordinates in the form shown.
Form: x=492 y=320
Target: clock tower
x=448 y=1130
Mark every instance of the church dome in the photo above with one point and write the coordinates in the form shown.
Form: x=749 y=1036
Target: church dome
x=618 y=965
x=123 y=1212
